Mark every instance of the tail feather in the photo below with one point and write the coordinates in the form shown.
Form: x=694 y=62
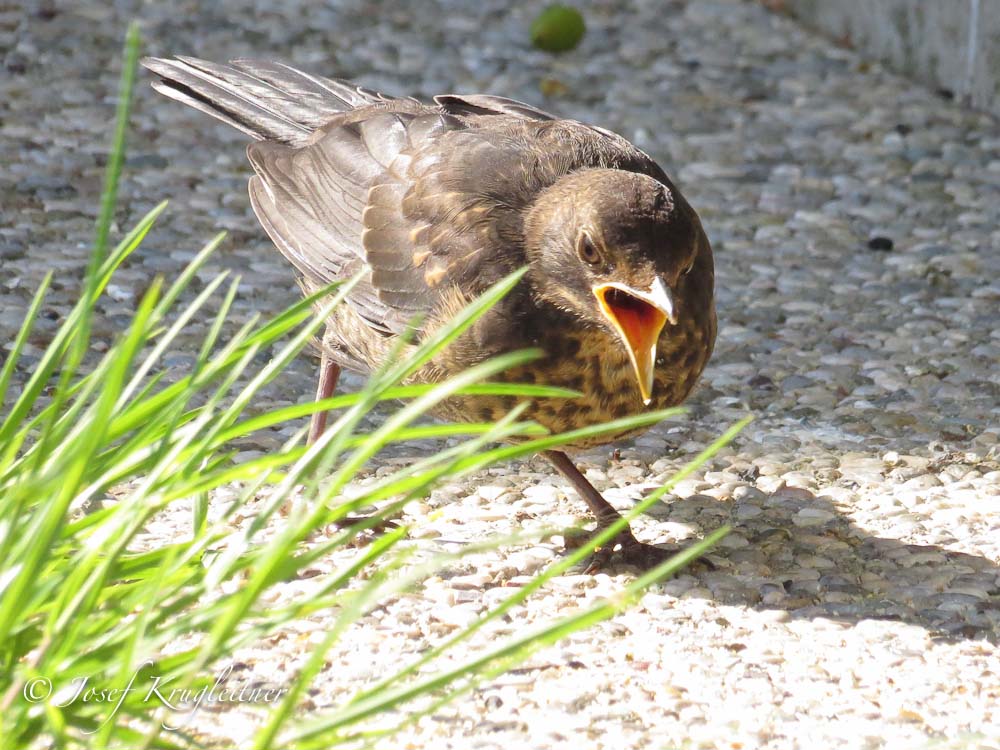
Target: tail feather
x=316 y=89
x=267 y=101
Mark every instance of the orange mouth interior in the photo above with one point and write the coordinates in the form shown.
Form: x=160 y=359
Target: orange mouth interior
x=639 y=323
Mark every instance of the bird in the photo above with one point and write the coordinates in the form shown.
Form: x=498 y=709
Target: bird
x=433 y=202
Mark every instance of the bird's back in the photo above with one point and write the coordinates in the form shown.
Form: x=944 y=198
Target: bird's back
x=430 y=197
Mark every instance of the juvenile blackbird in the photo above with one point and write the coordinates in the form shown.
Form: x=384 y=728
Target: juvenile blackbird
x=439 y=201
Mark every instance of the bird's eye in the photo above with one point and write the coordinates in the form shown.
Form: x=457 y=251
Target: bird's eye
x=587 y=251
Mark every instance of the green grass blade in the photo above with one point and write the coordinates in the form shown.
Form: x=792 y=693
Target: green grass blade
x=22 y=337
x=116 y=157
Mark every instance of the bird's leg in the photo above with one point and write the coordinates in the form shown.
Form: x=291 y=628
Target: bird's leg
x=624 y=546
x=329 y=373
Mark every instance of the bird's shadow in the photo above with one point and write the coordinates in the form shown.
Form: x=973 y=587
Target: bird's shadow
x=794 y=551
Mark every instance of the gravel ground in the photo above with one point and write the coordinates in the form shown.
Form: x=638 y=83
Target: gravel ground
x=854 y=216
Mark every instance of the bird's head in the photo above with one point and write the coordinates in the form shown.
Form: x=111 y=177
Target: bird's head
x=622 y=251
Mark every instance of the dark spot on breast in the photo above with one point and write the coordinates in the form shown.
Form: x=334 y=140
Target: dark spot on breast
x=672 y=358
x=547 y=409
x=570 y=346
x=594 y=383
x=621 y=407
x=568 y=410
x=575 y=383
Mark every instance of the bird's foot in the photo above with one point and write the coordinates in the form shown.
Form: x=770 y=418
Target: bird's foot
x=380 y=525
x=364 y=529
x=625 y=549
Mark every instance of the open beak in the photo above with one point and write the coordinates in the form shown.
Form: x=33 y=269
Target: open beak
x=638 y=317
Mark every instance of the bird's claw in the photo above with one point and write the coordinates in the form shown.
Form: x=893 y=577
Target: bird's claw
x=626 y=549
x=381 y=526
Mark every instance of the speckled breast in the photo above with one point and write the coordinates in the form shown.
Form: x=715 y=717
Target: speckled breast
x=596 y=364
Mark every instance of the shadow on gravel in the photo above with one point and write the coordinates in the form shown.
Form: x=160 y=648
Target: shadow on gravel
x=797 y=552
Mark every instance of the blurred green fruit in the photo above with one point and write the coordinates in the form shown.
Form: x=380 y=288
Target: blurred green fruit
x=557 y=28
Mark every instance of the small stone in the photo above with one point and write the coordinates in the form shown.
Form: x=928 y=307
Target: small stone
x=812 y=517
x=748 y=494
x=745 y=512
x=880 y=244
x=923 y=482
x=12 y=250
